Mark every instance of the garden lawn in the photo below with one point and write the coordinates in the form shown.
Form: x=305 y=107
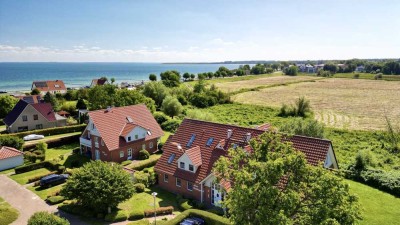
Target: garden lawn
x=23 y=178
x=7 y=213
x=43 y=193
x=54 y=153
x=144 y=201
x=378 y=207
x=52 y=137
x=165 y=137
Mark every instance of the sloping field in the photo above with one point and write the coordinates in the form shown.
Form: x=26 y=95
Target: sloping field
x=264 y=81
x=341 y=103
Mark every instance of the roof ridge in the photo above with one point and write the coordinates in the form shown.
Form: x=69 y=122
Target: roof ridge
x=315 y=138
x=227 y=125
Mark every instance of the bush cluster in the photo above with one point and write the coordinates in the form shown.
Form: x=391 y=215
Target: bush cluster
x=11 y=141
x=145 y=178
x=144 y=154
x=52 y=165
x=40 y=218
x=160 y=211
x=171 y=125
x=301 y=108
x=139 y=187
x=144 y=164
x=136 y=214
x=55 y=199
x=116 y=216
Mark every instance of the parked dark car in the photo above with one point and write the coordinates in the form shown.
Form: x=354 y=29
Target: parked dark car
x=192 y=221
x=53 y=179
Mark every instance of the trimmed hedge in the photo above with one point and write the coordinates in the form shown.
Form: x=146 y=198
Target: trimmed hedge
x=52 y=165
x=77 y=209
x=55 y=200
x=136 y=214
x=56 y=142
x=144 y=164
x=125 y=163
x=50 y=131
x=184 y=204
x=209 y=218
x=116 y=216
x=159 y=211
x=33 y=179
x=140 y=222
x=139 y=187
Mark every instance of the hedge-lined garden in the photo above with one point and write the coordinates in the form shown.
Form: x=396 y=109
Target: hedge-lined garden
x=50 y=131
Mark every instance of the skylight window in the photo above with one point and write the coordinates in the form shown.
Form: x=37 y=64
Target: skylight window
x=191 y=140
x=130 y=120
x=210 y=141
x=171 y=158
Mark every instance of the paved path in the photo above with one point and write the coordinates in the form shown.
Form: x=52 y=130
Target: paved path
x=25 y=201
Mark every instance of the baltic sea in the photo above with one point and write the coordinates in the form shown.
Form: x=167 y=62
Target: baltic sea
x=19 y=76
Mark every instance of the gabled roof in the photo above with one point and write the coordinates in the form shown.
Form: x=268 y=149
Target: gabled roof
x=8 y=152
x=49 y=85
x=315 y=149
x=194 y=155
x=128 y=128
x=110 y=123
x=46 y=110
x=99 y=81
x=15 y=112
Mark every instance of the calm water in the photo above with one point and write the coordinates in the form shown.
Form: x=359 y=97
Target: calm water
x=19 y=76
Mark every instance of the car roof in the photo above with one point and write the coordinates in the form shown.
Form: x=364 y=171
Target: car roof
x=49 y=176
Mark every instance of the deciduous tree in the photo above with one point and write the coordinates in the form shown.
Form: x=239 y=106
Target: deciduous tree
x=7 y=103
x=274 y=184
x=171 y=106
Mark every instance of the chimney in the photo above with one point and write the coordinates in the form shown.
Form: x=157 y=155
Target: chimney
x=229 y=133
x=248 y=137
x=108 y=109
x=179 y=147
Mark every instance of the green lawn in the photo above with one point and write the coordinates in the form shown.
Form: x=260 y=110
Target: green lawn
x=7 y=171
x=2 y=128
x=143 y=201
x=378 y=207
x=54 y=153
x=165 y=137
x=7 y=213
x=52 y=137
x=23 y=177
x=43 y=193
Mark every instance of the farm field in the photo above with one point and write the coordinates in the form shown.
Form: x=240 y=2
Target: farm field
x=262 y=82
x=341 y=103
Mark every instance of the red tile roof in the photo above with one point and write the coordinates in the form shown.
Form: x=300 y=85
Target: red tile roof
x=315 y=149
x=8 y=152
x=127 y=128
x=49 y=85
x=194 y=155
x=46 y=110
x=111 y=123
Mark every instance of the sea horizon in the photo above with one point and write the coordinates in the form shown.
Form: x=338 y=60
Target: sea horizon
x=18 y=76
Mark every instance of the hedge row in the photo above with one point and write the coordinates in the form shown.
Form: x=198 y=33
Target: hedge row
x=55 y=200
x=52 y=165
x=33 y=179
x=209 y=218
x=136 y=214
x=51 y=131
x=385 y=181
x=144 y=163
x=159 y=211
x=116 y=216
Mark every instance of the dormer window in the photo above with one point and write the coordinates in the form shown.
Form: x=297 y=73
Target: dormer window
x=182 y=165
x=190 y=142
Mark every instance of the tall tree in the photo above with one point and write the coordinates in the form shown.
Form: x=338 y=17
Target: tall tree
x=288 y=190
x=99 y=185
x=186 y=76
x=171 y=106
x=153 y=77
x=35 y=91
x=157 y=91
x=127 y=97
x=331 y=68
x=291 y=70
x=112 y=80
x=170 y=78
x=49 y=98
x=100 y=97
x=7 y=103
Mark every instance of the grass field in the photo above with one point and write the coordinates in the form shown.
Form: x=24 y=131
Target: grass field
x=7 y=213
x=341 y=103
x=368 y=76
x=378 y=207
x=263 y=82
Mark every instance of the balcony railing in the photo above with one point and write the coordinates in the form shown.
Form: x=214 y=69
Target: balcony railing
x=85 y=142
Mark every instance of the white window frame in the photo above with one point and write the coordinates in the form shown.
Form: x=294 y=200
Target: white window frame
x=180 y=165
x=151 y=145
x=176 y=182
x=130 y=152
x=165 y=178
x=187 y=186
x=121 y=154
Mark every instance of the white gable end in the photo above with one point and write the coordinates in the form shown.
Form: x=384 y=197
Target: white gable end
x=135 y=134
x=330 y=160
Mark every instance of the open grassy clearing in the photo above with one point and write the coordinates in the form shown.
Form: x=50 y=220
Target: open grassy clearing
x=342 y=103
x=368 y=76
x=43 y=193
x=378 y=207
x=7 y=213
x=263 y=82
x=23 y=178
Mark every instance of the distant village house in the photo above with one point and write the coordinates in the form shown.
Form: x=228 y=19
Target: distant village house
x=101 y=81
x=51 y=86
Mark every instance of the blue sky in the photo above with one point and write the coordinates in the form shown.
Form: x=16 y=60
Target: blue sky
x=197 y=30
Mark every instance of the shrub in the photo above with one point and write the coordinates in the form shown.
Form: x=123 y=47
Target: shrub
x=356 y=76
x=116 y=216
x=41 y=157
x=31 y=157
x=147 y=179
x=161 y=117
x=303 y=127
x=143 y=154
x=171 y=125
x=42 y=147
x=11 y=141
x=159 y=211
x=184 y=204
x=30 y=167
x=55 y=200
x=75 y=163
x=76 y=150
x=209 y=218
x=139 y=187
x=125 y=163
x=363 y=160
x=61 y=169
x=44 y=218
x=160 y=146
x=301 y=108
x=77 y=209
x=136 y=214
x=144 y=164
x=140 y=222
